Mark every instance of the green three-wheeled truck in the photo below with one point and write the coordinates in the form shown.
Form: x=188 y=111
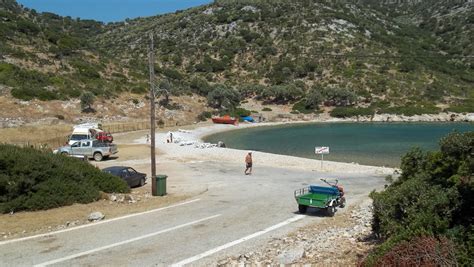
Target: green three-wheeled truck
x=322 y=197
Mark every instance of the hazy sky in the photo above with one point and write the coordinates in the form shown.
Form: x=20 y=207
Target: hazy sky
x=110 y=10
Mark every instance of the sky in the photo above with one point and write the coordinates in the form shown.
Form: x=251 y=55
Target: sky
x=110 y=10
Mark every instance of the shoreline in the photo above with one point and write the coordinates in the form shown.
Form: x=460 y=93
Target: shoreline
x=188 y=145
x=301 y=122
x=442 y=117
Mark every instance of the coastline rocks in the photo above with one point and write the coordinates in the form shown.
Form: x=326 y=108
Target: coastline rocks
x=441 y=117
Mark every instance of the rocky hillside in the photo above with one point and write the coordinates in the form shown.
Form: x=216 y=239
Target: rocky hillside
x=415 y=57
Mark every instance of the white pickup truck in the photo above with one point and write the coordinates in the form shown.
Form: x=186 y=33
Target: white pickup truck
x=90 y=148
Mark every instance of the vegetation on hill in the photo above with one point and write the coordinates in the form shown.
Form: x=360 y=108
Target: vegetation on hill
x=34 y=180
x=284 y=52
x=426 y=216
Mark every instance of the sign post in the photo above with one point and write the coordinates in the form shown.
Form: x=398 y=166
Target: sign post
x=321 y=150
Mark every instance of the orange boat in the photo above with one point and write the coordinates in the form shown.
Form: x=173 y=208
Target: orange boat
x=225 y=120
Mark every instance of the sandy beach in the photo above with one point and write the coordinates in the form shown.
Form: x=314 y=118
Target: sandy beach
x=189 y=144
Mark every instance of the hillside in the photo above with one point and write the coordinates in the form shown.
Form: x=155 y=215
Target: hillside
x=415 y=58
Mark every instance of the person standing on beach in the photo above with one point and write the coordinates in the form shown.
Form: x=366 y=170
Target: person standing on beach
x=171 y=137
x=248 y=164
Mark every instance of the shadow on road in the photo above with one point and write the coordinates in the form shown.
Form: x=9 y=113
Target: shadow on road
x=314 y=212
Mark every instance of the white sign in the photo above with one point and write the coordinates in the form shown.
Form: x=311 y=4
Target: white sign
x=321 y=150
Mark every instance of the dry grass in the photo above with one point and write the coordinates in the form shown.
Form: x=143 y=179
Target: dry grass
x=53 y=135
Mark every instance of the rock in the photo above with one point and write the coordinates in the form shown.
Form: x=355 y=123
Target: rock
x=220 y=144
x=95 y=216
x=113 y=198
x=130 y=199
x=290 y=256
x=120 y=199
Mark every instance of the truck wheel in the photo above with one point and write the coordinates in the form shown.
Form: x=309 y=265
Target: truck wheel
x=98 y=156
x=343 y=202
x=142 y=182
x=302 y=209
x=331 y=210
x=64 y=153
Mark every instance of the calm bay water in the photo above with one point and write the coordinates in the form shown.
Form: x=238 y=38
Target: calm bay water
x=380 y=144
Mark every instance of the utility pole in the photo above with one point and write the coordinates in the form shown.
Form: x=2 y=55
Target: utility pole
x=152 y=115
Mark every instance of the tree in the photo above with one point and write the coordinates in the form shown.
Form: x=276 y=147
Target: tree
x=164 y=89
x=251 y=90
x=282 y=93
x=339 y=97
x=223 y=97
x=313 y=99
x=87 y=100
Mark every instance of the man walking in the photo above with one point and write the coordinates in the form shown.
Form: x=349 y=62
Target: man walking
x=248 y=164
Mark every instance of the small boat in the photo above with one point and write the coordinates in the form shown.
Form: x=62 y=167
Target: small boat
x=225 y=120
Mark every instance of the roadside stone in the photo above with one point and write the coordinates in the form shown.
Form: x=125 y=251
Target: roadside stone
x=95 y=216
x=130 y=199
x=290 y=256
x=113 y=198
x=120 y=199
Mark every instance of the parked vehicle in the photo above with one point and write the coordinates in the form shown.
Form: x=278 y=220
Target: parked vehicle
x=130 y=175
x=89 y=131
x=225 y=120
x=322 y=197
x=90 y=147
x=104 y=137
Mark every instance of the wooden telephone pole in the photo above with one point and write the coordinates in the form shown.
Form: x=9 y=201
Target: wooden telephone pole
x=152 y=115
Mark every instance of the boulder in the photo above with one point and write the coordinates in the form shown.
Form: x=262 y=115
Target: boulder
x=95 y=216
x=290 y=256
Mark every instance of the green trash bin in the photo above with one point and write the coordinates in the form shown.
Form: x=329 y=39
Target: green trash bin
x=160 y=185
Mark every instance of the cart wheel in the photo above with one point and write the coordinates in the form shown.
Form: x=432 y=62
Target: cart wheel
x=302 y=209
x=343 y=202
x=330 y=211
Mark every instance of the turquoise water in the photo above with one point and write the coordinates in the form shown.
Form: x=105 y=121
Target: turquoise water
x=380 y=144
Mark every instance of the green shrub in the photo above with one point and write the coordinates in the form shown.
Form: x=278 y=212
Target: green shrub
x=242 y=112
x=411 y=110
x=301 y=107
x=432 y=197
x=466 y=106
x=266 y=109
x=345 y=112
x=203 y=116
x=34 y=180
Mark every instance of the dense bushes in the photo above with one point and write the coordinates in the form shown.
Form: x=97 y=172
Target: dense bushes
x=346 y=112
x=433 y=198
x=36 y=180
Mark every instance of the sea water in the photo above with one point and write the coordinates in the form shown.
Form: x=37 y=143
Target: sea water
x=378 y=144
